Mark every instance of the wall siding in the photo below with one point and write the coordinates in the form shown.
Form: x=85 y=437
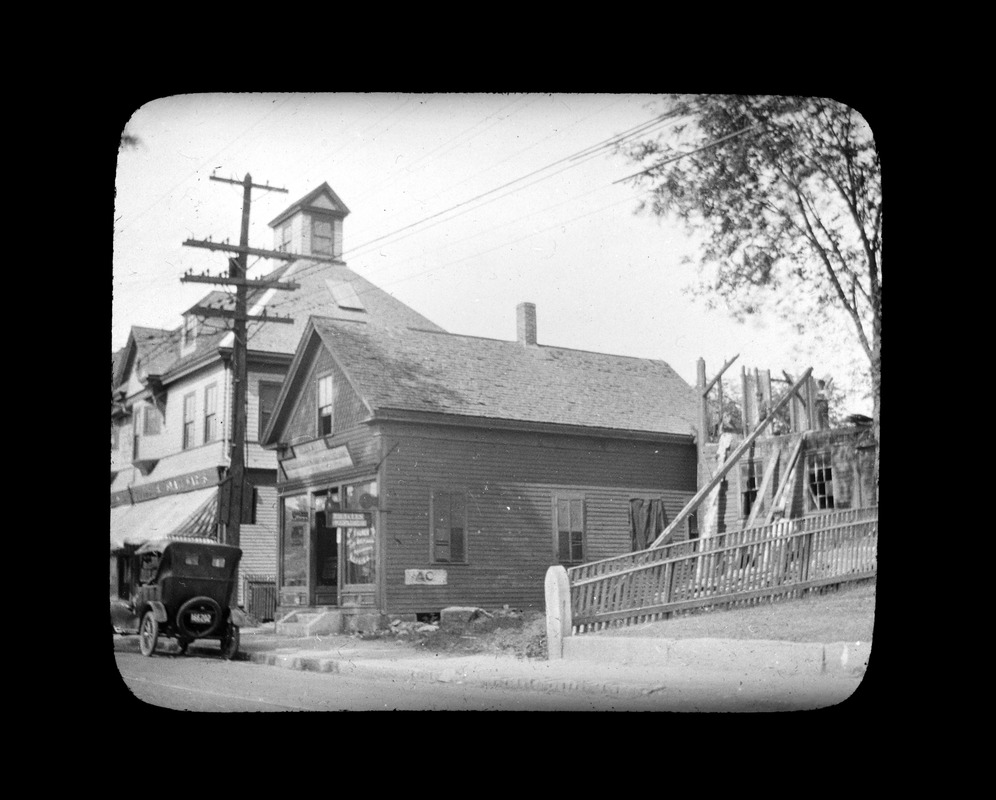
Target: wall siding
x=510 y=480
x=853 y=461
x=348 y=408
x=259 y=541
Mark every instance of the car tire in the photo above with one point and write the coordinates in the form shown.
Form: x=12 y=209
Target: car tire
x=148 y=634
x=230 y=642
x=181 y=616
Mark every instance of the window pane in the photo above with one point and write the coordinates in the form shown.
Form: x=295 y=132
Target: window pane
x=268 y=393
x=442 y=549
x=576 y=523
x=563 y=546
x=577 y=547
x=456 y=544
x=360 y=551
x=441 y=512
x=295 y=556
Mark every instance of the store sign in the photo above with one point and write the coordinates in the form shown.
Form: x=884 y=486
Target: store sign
x=181 y=483
x=425 y=577
x=314 y=457
x=350 y=520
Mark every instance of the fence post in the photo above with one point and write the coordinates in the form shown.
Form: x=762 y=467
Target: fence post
x=557 y=590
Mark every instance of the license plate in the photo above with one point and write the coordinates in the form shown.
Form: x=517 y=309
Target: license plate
x=200 y=619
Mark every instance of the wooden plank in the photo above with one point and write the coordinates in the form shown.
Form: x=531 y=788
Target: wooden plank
x=731 y=461
x=718 y=374
x=762 y=491
x=788 y=479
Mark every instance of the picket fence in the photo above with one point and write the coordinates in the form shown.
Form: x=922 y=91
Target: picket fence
x=787 y=558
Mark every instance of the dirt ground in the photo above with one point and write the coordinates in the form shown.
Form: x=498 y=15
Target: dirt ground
x=846 y=615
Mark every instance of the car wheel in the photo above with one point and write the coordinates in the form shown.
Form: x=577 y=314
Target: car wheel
x=148 y=634
x=230 y=642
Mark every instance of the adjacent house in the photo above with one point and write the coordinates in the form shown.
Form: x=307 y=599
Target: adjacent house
x=171 y=397
x=420 y=469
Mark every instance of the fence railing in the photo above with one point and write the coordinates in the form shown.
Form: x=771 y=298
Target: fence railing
x=260 y=596
x=789 y=557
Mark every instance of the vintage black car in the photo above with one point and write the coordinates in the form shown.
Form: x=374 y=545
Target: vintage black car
x=181 y=589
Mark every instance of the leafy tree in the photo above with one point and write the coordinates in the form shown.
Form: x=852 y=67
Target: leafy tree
x=786 y=193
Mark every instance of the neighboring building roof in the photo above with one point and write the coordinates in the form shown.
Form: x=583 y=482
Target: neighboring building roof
x=307 y=201
x=160 y=349
x=414 y=370
x=116 y=358
x=155 y=348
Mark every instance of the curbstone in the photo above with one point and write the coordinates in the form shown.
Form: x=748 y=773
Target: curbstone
x=846 y=658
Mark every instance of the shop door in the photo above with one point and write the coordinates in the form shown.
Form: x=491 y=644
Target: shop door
x=326 y=550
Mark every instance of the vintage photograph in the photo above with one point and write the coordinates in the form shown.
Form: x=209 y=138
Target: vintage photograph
x=495 y=402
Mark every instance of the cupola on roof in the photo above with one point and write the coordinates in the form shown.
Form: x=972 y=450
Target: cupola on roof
x=312 y=225
x=322 y=200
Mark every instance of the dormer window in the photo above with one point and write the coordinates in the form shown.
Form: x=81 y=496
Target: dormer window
x=188 y=334
x=321 y=236
x=284 y=239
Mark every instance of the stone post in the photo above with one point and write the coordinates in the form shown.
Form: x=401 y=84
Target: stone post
x=558 y=611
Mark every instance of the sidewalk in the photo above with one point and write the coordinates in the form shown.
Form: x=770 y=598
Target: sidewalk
x=632 y=667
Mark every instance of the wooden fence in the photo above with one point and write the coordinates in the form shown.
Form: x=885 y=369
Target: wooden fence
x=786 y=558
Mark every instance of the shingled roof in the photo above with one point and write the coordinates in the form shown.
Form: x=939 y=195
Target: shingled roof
x=312 y=297
x=413 y=370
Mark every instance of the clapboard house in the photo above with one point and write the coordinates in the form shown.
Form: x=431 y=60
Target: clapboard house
x=172 y=396
x=420 y=469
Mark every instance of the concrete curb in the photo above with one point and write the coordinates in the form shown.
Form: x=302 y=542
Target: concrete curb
x=373 y=668
x=642 y=663
x=723 y=654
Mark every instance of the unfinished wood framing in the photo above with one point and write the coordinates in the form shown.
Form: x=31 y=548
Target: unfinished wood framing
x=696 y=501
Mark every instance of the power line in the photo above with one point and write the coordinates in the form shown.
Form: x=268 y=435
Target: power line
x=204 y=163
x=577 y=159
x=679 y=156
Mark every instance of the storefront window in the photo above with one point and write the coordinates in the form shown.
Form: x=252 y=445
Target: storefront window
x=295 y=541
x=326 y=547
x=360 y=543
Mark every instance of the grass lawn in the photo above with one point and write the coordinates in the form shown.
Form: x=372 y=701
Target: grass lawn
x=844 y=616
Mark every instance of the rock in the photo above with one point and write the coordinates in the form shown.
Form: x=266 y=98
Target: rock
x=459 y=614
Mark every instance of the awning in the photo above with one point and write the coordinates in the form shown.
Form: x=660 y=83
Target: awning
x=187 y=515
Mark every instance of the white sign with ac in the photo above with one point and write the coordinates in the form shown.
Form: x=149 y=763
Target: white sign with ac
x=425 y=577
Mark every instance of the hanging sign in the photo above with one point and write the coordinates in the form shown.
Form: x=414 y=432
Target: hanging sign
x=425 y=577
x=343 y=519
x=313 y=458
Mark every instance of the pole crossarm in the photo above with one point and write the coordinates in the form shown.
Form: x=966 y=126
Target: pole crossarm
x=256 y=251
x=227 y=281
x=205 y=311
x=250 y=184
x=702 y=493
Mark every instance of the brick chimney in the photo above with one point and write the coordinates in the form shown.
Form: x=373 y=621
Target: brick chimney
x=526 y=318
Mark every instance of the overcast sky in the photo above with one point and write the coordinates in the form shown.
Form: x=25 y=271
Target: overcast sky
x=461 y=206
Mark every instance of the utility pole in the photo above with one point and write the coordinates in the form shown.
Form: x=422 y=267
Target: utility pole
x=237 y=268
